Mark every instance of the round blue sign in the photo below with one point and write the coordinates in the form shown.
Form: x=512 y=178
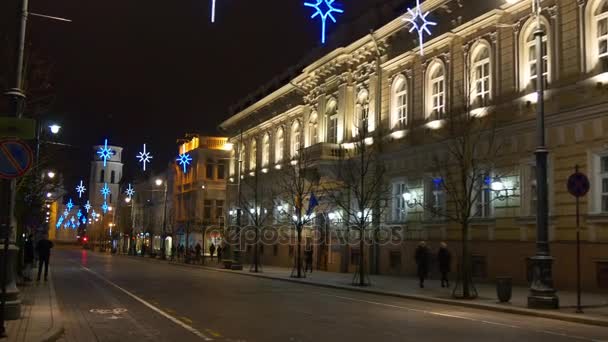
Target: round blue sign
x=16 y=158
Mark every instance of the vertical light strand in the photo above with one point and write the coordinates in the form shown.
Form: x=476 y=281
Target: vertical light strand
x=213 y=11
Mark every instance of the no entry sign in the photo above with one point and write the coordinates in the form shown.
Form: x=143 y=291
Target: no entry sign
x=15 y=158
x=578 y=184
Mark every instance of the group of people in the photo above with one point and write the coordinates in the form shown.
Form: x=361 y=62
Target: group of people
x=423 y=258
x=195 y=252
x=41 y=249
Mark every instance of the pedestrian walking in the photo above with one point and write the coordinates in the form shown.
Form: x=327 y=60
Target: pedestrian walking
x=44 y=253
x=143 y=249
x=173 y=249
x=308 y=259
x=28 y=257
x=212 y=250
x=198 y=252
x=219 y=253
x=445 y=261
x=422 y=262
x=180 y=252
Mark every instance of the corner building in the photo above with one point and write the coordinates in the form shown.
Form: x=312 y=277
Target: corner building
x=383 y=82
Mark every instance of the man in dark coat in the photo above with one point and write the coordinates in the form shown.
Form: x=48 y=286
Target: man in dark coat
x=422 y=262
x=219 y=253
x=445 y=260
x=212 y=250
x=44 y=253
x=308 y=259
x=28 y=257
x=198 y=252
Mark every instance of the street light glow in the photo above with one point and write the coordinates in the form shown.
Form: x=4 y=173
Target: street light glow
x=54 y=128
x=51 y=174
x=127 y=199
x=159 y=182
x=48 y=195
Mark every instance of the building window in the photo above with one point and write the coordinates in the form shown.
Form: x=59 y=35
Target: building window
x=596 y=35
x=600 y=177
x=232 y=168
x=253 y=154
x=112 y=177
x=528 y=55
x=207 y=208
x=295 y=139
x=483 y=197
x=399 y=102
x=436 y=90
x=219 y=209
x=221 y=170
x=481 y=74
x=110 y=199
x=436 y=198
x=360 y=126
x=279 y=144
x=400 y=207
x=102 y=176
x=601 y=20
x=313 y=127
x=242 y=157
x=265 y=150
x=331 y=115
x=209 y=169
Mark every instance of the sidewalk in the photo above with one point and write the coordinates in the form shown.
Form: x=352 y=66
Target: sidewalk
x=40 y=316
x=595 y=306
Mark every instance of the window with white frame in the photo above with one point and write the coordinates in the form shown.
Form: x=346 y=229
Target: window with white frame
x=436 y=90
x=331 y=116
x=361 y=113
x=483 y=196
x=399 y=102
x=481 y=74
x=313 y=128
x=436 y=202
x=600 y=177
x=528 y=54
x=242 y=159
x=265 y=150
x=399 y=204
x=601 y=25
x=279 y=144
x=253 y=155
x=295 y=139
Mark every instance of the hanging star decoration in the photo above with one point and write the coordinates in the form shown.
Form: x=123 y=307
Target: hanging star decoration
x=184 y=160
x=144 y=157
x=72 y=219
x=419 y=23
x=104 y=207
x=324 y=9
x=80 y=189
x=70 y=205
x=59 y=222
x=105 y=191
x=66 y=213
x=93 y=214
x=79 y=214
x=84 y=220
x=105 y=153
x=130 y=192
x=87 y=206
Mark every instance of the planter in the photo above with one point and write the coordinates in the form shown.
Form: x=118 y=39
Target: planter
x=504 y=289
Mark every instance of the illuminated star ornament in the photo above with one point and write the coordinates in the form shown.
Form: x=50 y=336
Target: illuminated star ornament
x=79 y=214
x=80 y=189
x=184 y=160
x=105 y=153
x=130 y=191
x=419 y=23
x=66 y=213
x=87 y=206
x=70 y=205
x=144 y=157
x=104 y=207
x=105 y=191
x=324 y=9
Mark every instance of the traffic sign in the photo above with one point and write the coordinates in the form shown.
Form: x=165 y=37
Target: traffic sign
x=578 y=184
x=16 y=158
x=17 y=128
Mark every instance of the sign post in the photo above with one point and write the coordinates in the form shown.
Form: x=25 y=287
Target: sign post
x=578 y=186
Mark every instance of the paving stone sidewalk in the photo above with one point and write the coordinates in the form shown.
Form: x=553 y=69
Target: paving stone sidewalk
x=41 y=319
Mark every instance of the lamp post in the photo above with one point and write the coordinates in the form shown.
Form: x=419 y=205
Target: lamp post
x=542 y=294
x=160 y=182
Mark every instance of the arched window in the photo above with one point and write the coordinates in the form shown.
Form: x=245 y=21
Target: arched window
x=399 y=102
x=279 y=145
x=436 y=90
x=313 y=128
x=242 y=160
x=265 y=150
x=596 y=35
x=528 y=54
x=253 y=154
x=360 y=126
x=232 y=167
x=481 y=74
x=331 y=118
x=295 y=138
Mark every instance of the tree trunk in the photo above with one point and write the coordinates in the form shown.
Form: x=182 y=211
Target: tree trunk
x=466 y=262
x=299 y=254
x=361 y=257
x=256 y=260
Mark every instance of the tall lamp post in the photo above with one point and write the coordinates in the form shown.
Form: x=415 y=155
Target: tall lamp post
x=160 y=182
x=542 y=294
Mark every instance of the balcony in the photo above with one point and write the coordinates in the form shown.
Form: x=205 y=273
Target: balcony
x=326 y=151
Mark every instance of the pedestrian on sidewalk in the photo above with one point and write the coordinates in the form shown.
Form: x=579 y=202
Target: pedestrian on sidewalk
x=198 y=252
x=173 y=249
x=28 y=257
x=422 y=262
x=308 y=259
x=219 y=253
x=44 y=253
x=212 y=250
x=445 y=261
x=180 y=252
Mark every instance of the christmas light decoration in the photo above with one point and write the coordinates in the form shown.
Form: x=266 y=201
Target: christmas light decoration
x=87 y=206
x=105 y=153
x=79 y=214
x=70 y=205
x=144 y=157
x=419 y=23
x=105 y=191
x=213 y=10
x=184 y=160
x=104 y=207
x=324 y=9
x=80 y=189
x=66 y=213
x=130 y=191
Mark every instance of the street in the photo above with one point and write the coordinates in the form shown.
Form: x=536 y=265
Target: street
x=118 y=298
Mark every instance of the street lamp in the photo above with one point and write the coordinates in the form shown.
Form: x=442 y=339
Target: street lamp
x=51 y=174
x=48 y=195
x=158 y=182
x=54 y=128
x=127 y=200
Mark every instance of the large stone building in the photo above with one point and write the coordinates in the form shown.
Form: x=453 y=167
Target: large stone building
x=484 y=48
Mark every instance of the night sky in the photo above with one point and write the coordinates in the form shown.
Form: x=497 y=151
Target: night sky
x=151 y=71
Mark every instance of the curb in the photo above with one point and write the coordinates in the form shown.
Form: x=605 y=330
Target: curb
x=58 y=329
x=511 y=310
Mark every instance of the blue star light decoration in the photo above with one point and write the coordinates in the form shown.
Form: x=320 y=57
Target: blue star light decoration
x=105 y=191
x=79 y=214
x=419 y=23
x=104 y=207
x=80 y=189
x=130 y=191
x=144 y=157
x=66 y=213
x=105 y=153
x=70 y=205
x=324 y=9
x=83 y=220
x=94 y=214
x=184 y=160
x=59 y=222
x=87 y=206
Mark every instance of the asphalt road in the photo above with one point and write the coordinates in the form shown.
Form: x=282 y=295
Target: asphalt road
x=117 y=298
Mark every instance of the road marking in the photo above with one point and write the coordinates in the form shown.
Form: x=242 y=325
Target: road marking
x=457 y=317
x=186 y=319
x=152 y=307
x=213 y=333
